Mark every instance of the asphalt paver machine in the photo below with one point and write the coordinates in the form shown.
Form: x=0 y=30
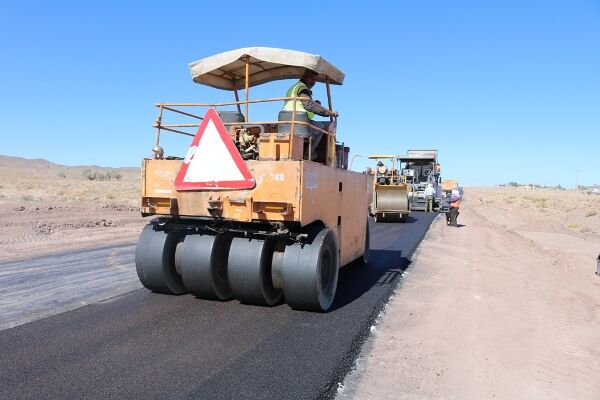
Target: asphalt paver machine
x=418 y=169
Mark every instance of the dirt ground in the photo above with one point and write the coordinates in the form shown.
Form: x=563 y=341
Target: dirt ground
x=45 y=207
x=507 y=306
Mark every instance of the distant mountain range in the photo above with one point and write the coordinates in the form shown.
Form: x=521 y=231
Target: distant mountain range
x=40 y=167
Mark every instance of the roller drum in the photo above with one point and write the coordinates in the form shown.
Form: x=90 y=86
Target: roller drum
x=391 y=201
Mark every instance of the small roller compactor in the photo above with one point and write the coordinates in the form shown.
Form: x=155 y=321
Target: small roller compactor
x=390 y=192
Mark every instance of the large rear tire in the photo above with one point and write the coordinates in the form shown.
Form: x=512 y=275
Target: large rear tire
x=249 y=271
x=203 y=266
x=155 y=260
x=310 y=273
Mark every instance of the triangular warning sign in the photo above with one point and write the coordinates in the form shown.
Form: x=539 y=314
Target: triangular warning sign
x=213 y=161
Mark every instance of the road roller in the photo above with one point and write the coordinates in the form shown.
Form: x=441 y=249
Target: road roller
x=261 y=210
x=390 y=201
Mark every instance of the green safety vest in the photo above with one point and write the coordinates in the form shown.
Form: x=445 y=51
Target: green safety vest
x=293 y=92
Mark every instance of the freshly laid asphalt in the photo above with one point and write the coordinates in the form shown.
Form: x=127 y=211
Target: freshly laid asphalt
x=151 y=346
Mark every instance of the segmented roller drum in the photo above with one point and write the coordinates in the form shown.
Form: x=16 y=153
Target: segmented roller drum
x=250 y=271
x=203 y=266
x=255 y=271
x=155 y=260
x=310 y=273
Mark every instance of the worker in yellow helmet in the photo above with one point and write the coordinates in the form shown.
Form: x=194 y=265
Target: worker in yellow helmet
x=307 y=105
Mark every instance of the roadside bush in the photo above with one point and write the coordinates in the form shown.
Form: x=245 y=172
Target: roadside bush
x=101 y=176
x=89 y=174
x=591 y=213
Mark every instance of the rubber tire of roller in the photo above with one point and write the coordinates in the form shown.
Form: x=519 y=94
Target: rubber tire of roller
x=203 y=266
x=249 y=271
x=155 y=260
x=310 y=273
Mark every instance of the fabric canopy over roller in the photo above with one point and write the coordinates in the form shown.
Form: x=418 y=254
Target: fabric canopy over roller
x=228 y=70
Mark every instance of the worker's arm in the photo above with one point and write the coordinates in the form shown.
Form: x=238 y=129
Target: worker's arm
x=313 y=106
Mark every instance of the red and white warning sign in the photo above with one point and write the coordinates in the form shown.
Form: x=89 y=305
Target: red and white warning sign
x=213 y=161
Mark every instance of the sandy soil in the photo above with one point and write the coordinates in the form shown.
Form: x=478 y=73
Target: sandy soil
x=45 y=207
x=505 y=307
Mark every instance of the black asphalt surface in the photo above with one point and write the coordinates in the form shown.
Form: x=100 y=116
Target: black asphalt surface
x=142 y=345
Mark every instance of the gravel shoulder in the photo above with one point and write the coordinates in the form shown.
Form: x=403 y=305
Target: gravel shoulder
x=505 y=307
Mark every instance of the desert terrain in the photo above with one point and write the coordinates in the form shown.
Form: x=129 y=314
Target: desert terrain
x=507 y=306
x=46 y=207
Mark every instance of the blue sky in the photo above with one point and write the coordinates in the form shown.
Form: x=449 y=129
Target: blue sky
x=506 y=90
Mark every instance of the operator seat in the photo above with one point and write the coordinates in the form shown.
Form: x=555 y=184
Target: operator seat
x=299 y=129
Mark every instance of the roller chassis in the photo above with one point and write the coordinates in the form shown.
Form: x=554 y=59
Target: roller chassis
x=284 y=240
x=290 y=232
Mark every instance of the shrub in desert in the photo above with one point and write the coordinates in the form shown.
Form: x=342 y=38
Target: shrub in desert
x=541 y=203
x=89 y=174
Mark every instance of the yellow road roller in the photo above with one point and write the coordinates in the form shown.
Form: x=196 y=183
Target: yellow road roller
x=261 y=210
x=390 y=200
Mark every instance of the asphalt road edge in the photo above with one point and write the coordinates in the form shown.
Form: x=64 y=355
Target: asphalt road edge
x=349 y=360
